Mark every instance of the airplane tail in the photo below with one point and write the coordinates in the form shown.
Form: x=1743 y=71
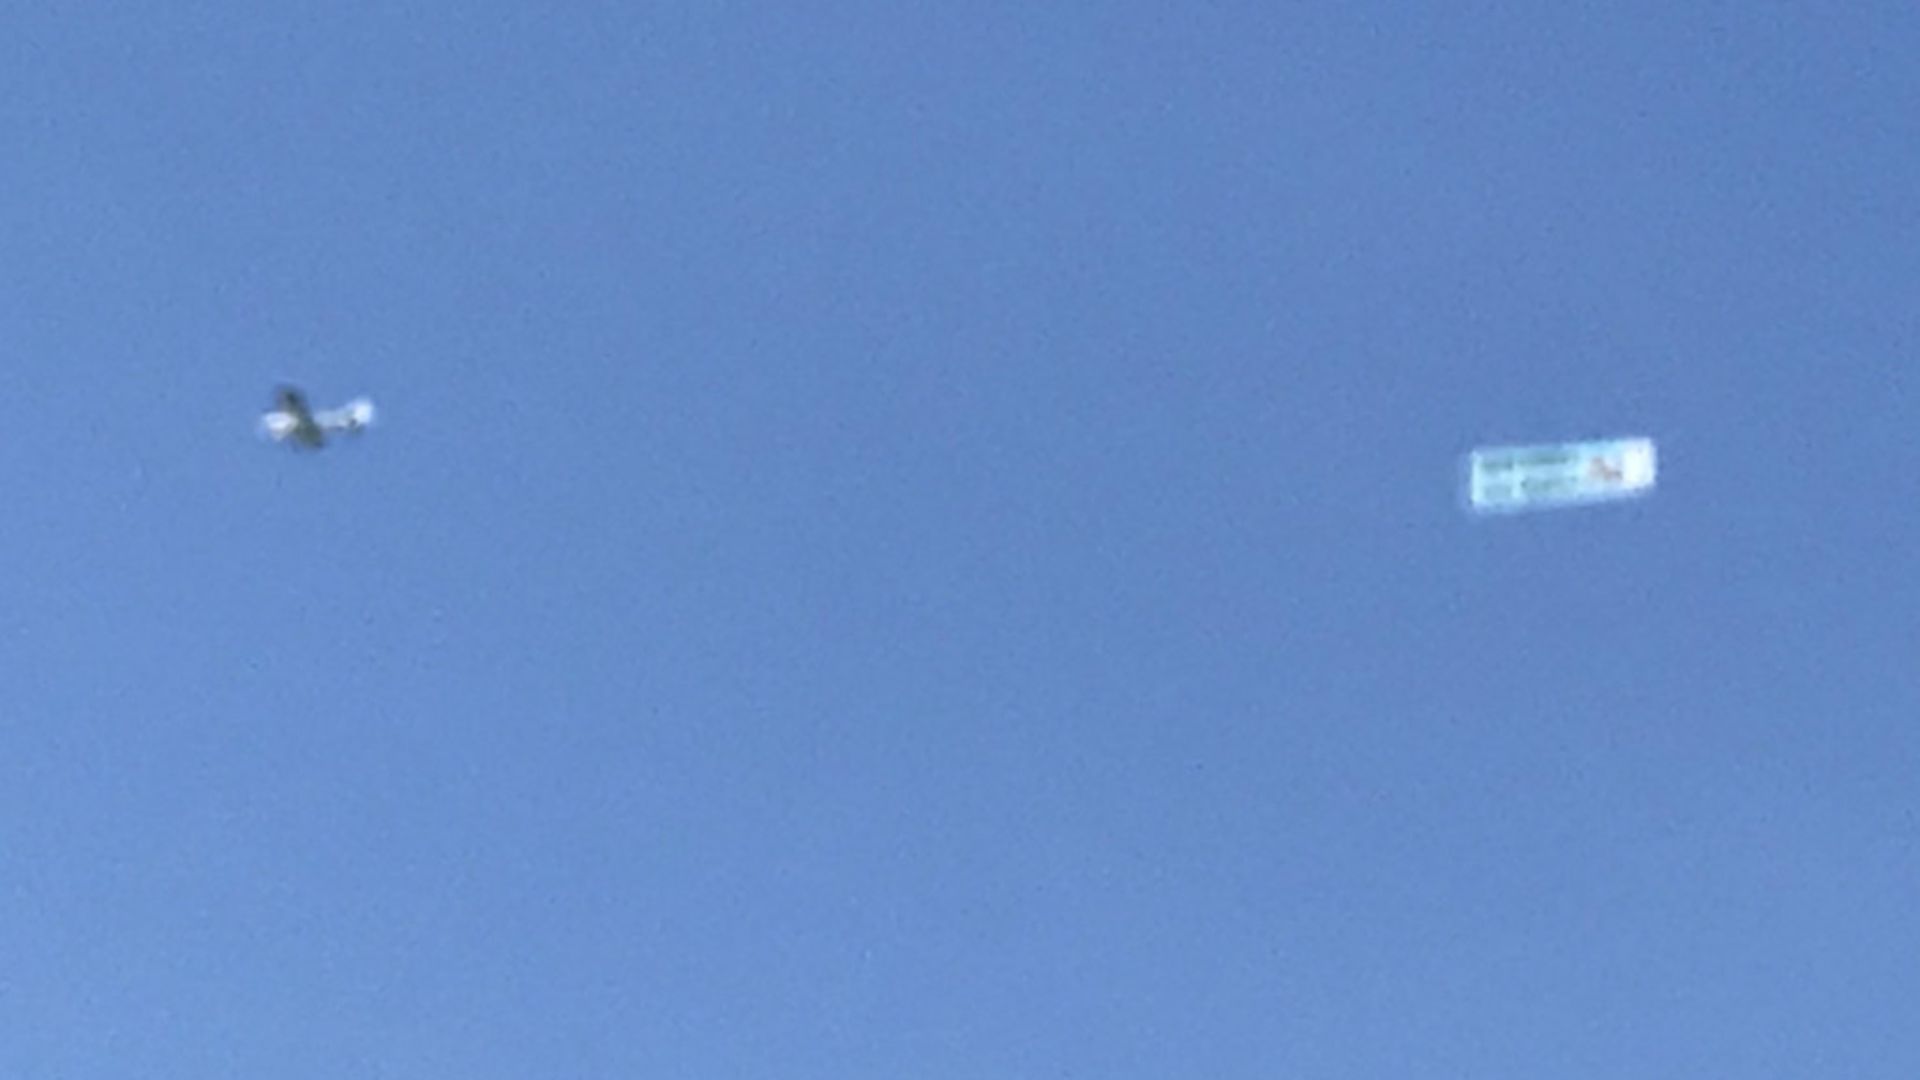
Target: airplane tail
x=352 y=417
x=359 y=413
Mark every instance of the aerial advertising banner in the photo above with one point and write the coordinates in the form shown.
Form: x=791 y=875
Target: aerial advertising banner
x=1508 y=479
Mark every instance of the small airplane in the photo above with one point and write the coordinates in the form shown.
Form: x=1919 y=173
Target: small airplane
x=292 y=421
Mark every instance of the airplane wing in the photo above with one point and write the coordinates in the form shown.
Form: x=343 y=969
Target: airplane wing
x=291 y=419
x=290 y=400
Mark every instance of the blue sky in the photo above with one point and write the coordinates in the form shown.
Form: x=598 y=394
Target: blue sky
x=920 y=540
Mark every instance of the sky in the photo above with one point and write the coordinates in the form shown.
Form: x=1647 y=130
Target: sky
x=923 y=540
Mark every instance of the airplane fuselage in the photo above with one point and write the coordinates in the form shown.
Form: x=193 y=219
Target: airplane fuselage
x=293 y=421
